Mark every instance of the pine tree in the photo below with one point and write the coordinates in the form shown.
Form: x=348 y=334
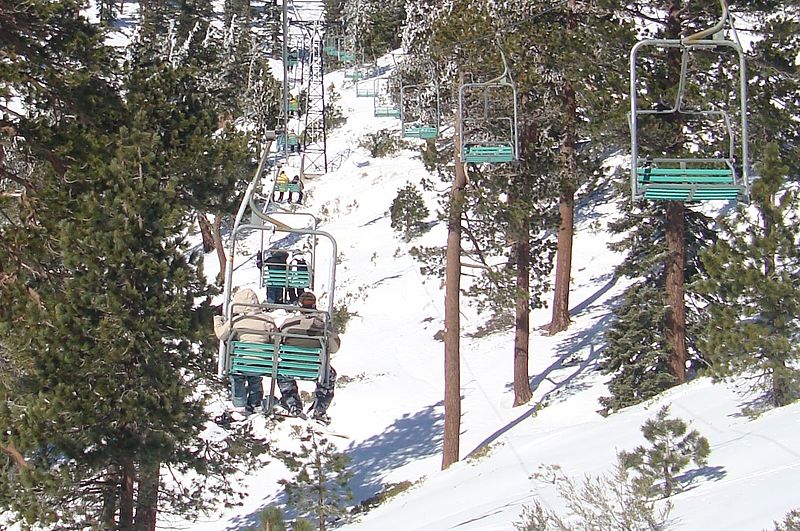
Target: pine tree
x=271 y=519
x=752 y=283
x=408 y=211
x=667 y=237
x=320 y=484
x=636 y=356
x=98 y=315
x=671 y=451
x=637 y=353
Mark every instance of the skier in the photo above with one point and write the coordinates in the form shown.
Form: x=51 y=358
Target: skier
x=275 y=262
x=298 y=263
x=296 y=180
x=248 y=323
x=281 y=186
x=308 y=323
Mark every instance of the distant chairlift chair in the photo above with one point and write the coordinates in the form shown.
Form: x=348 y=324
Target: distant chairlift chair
x=419 y=111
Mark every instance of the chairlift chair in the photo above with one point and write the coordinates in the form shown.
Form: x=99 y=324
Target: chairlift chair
x=419 y=111
x=489 y=119
x=716 y=173
x=275 y=358
x=336 y=46
x=383 y=106
x=365 y=88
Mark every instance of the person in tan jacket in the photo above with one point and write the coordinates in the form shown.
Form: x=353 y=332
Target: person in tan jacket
x=312 y=325
x=250 y=323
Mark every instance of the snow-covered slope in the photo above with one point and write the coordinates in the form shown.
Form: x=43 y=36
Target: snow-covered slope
x=391 y=404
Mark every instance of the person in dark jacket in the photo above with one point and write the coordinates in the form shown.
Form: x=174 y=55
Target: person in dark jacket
x=312 y=325
x=276 y=261
x=296 y=180
x=298 y=263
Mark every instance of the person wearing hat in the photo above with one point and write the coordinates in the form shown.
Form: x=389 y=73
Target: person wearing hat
x=299 y=264
x=248 y=323
x=309 y=323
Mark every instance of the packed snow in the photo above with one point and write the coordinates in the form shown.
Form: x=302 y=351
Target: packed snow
x=391 y=407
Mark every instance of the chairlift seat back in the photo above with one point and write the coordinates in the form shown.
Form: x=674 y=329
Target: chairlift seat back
x=257 y=359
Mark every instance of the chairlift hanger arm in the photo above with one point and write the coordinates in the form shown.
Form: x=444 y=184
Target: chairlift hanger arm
x=716 y=28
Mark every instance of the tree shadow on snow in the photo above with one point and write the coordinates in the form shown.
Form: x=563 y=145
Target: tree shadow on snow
x=587 y=303
x=705 y=473
x=409 y=438
x=578 y=352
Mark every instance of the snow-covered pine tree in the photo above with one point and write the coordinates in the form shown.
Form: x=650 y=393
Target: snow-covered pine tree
x=752 y=282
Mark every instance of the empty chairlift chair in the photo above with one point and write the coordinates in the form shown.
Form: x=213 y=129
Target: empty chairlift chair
x=489 y=120
x=713 y=163
x=383 y=104
x=420 y=112
x=365 y=88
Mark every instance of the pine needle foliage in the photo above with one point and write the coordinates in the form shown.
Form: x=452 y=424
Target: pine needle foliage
x=408 y=211
x=98 y=315
x=636 y=354
x=319 y=487
x=752 y=280
x=790 y=523
x=270 y=519
x=611 y=502
x=672 y=449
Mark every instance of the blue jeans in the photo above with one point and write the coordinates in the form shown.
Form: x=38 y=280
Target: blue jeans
x=246 y=391
x=275 y=296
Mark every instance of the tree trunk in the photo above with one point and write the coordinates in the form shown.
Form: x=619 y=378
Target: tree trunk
x=452 y=317
x=216 y=232
x=126 y=495
x=320 y=485
x=205 y=231
x=522 y=386
x=110 y=497
x=566 y=228
x=675 y=274
x=566 y=205
x=147 y=501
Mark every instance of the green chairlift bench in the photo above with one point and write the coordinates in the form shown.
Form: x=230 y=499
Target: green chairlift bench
x=365 y=89
x=488 y=153
x=355 y=74
x=258 y=359
x=688 y=184
x=284 y=276
x=420 y=131
x=383 y=111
